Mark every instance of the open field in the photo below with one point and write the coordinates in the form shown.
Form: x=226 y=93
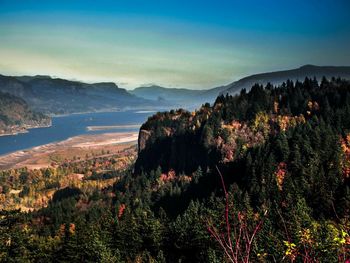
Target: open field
x=78 y=147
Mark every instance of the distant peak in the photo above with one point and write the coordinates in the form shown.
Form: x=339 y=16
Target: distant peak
x=308 y=66
x=42 y=77
x=106 y=85
x=152 y=87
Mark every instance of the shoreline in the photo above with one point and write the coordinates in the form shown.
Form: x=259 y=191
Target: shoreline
x=43 y=155
x=25 y=130
x=136 y=110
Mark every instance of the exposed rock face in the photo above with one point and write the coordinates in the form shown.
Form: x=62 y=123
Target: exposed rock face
x=144 y=135
x=168 y=140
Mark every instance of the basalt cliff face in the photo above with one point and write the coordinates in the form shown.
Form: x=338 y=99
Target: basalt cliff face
x=144 y=135
x=173 y=140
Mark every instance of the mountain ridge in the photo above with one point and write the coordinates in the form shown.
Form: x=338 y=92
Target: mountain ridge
x=58 y=96
x=178 y=96
x=277 y=77
x=61 y=96
x=157 y=92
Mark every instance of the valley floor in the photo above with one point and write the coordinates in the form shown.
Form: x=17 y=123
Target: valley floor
x=78 y=147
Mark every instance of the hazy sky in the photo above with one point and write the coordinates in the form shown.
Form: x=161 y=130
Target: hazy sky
x=190 y=44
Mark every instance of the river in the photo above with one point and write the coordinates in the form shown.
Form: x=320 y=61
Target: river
x=64 y=127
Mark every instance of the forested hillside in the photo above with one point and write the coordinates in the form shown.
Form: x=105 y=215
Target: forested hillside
x=278 y=77
x=60 y=96
x=263 y=176
x=16 y=116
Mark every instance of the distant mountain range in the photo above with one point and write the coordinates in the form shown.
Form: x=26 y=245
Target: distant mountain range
x=177 y=96
x=198 y=97
x=278 y=77
x=60 y=96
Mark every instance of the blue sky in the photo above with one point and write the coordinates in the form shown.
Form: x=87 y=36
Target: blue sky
x=190 y=44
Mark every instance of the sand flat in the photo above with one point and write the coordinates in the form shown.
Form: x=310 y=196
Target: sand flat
x=108 y=141
x=110 y=127
x=42 y=156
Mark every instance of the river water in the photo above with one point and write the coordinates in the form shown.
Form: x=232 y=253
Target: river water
x=64 y=127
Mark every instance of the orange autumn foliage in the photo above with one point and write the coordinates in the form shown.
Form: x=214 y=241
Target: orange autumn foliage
x=170 y=176
x=285 y=122
x=72 y=228
x=121 y=210
x=280 y=174
x=345 y=146
x=234 y=125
